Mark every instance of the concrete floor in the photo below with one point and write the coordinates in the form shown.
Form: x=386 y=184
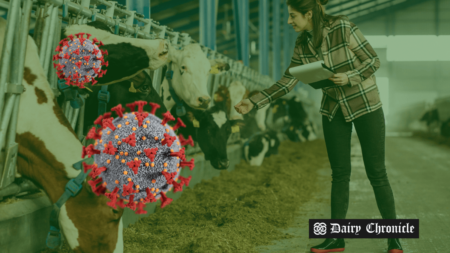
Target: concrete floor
x=419 y=173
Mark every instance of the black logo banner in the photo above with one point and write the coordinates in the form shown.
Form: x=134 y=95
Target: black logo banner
x=363 y=228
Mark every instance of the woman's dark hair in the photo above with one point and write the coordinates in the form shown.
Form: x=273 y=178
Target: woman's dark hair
x=319 y=19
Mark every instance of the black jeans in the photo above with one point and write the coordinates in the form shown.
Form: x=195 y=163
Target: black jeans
x=371 y=133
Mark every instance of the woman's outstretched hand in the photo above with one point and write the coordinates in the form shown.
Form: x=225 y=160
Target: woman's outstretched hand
x=244 y=106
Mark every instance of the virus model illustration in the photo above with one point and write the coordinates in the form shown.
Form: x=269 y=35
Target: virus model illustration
x=80 y=60
x=137 y=157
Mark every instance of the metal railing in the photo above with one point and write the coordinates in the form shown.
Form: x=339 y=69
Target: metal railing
x=11 y=76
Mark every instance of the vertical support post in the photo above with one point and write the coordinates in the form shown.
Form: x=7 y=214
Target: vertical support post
x=264 y=37
x=157 y=73
x=287 y=49
x=208 y=23
x=110 y=10
x=85 y=3
x=21 y=22
x=140 y=6
x=241 y=17
x=51 y=37
x=13 y=17
x=47 y=23
x=276 y=49
x=436 y=16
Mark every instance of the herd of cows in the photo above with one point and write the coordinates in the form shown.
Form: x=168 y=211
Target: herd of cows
x=48 y=146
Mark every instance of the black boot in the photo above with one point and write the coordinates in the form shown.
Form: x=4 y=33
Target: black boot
x=330 y=245
x=394 y=246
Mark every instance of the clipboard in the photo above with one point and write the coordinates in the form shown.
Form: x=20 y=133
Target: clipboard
x=315 y=74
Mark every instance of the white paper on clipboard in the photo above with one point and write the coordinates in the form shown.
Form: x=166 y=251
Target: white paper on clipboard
x=310 y=73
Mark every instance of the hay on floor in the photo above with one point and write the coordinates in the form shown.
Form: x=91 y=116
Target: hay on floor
x=236 y=211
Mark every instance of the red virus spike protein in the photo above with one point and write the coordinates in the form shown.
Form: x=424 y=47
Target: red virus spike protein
x=138 y=159
x=80 y=60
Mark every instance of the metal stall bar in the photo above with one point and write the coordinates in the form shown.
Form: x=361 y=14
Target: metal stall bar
x=264 y=37
x=53 y=78
x=276 y=49
x=208 y=23
x=20 y=20
x=139 y=5
x=46 y=27
x=47 y=53
x=241 y=15
x=157 y=73
x=6 y=50
x=287 y=50
x=76 y=8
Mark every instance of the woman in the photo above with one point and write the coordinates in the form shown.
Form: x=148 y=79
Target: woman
x=354 y=99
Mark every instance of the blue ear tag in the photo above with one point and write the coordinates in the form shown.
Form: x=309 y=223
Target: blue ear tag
x=181 y=111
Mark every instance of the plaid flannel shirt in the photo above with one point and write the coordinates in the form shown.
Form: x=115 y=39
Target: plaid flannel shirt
x=345 y=50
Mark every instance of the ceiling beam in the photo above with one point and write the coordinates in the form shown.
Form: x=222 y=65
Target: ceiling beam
x=167 y=5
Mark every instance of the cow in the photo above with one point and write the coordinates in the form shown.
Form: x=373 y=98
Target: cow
x=290 y=116
x=211 y=129
x=260 y=145
x=191 y=69
x=48 y=148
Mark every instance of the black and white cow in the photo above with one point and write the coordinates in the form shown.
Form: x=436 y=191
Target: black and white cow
x=290 y=116
x=210 y=129
x=259 y=146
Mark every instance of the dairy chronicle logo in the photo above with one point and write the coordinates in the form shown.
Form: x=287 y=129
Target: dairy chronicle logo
x=320 y=228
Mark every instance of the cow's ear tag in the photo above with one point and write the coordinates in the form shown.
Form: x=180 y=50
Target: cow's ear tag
x=196 y=123
x=132 y=89
x=214 y=69
x=274 y=109
x=215 y=97
x=235 y=129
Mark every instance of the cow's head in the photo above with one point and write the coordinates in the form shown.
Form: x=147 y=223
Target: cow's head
x=191 y=69
x=213 y=132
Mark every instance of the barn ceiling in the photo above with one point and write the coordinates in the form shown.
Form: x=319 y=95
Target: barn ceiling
x=183 y=16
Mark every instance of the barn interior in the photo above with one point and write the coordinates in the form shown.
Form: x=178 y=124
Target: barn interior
x=276 y=175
